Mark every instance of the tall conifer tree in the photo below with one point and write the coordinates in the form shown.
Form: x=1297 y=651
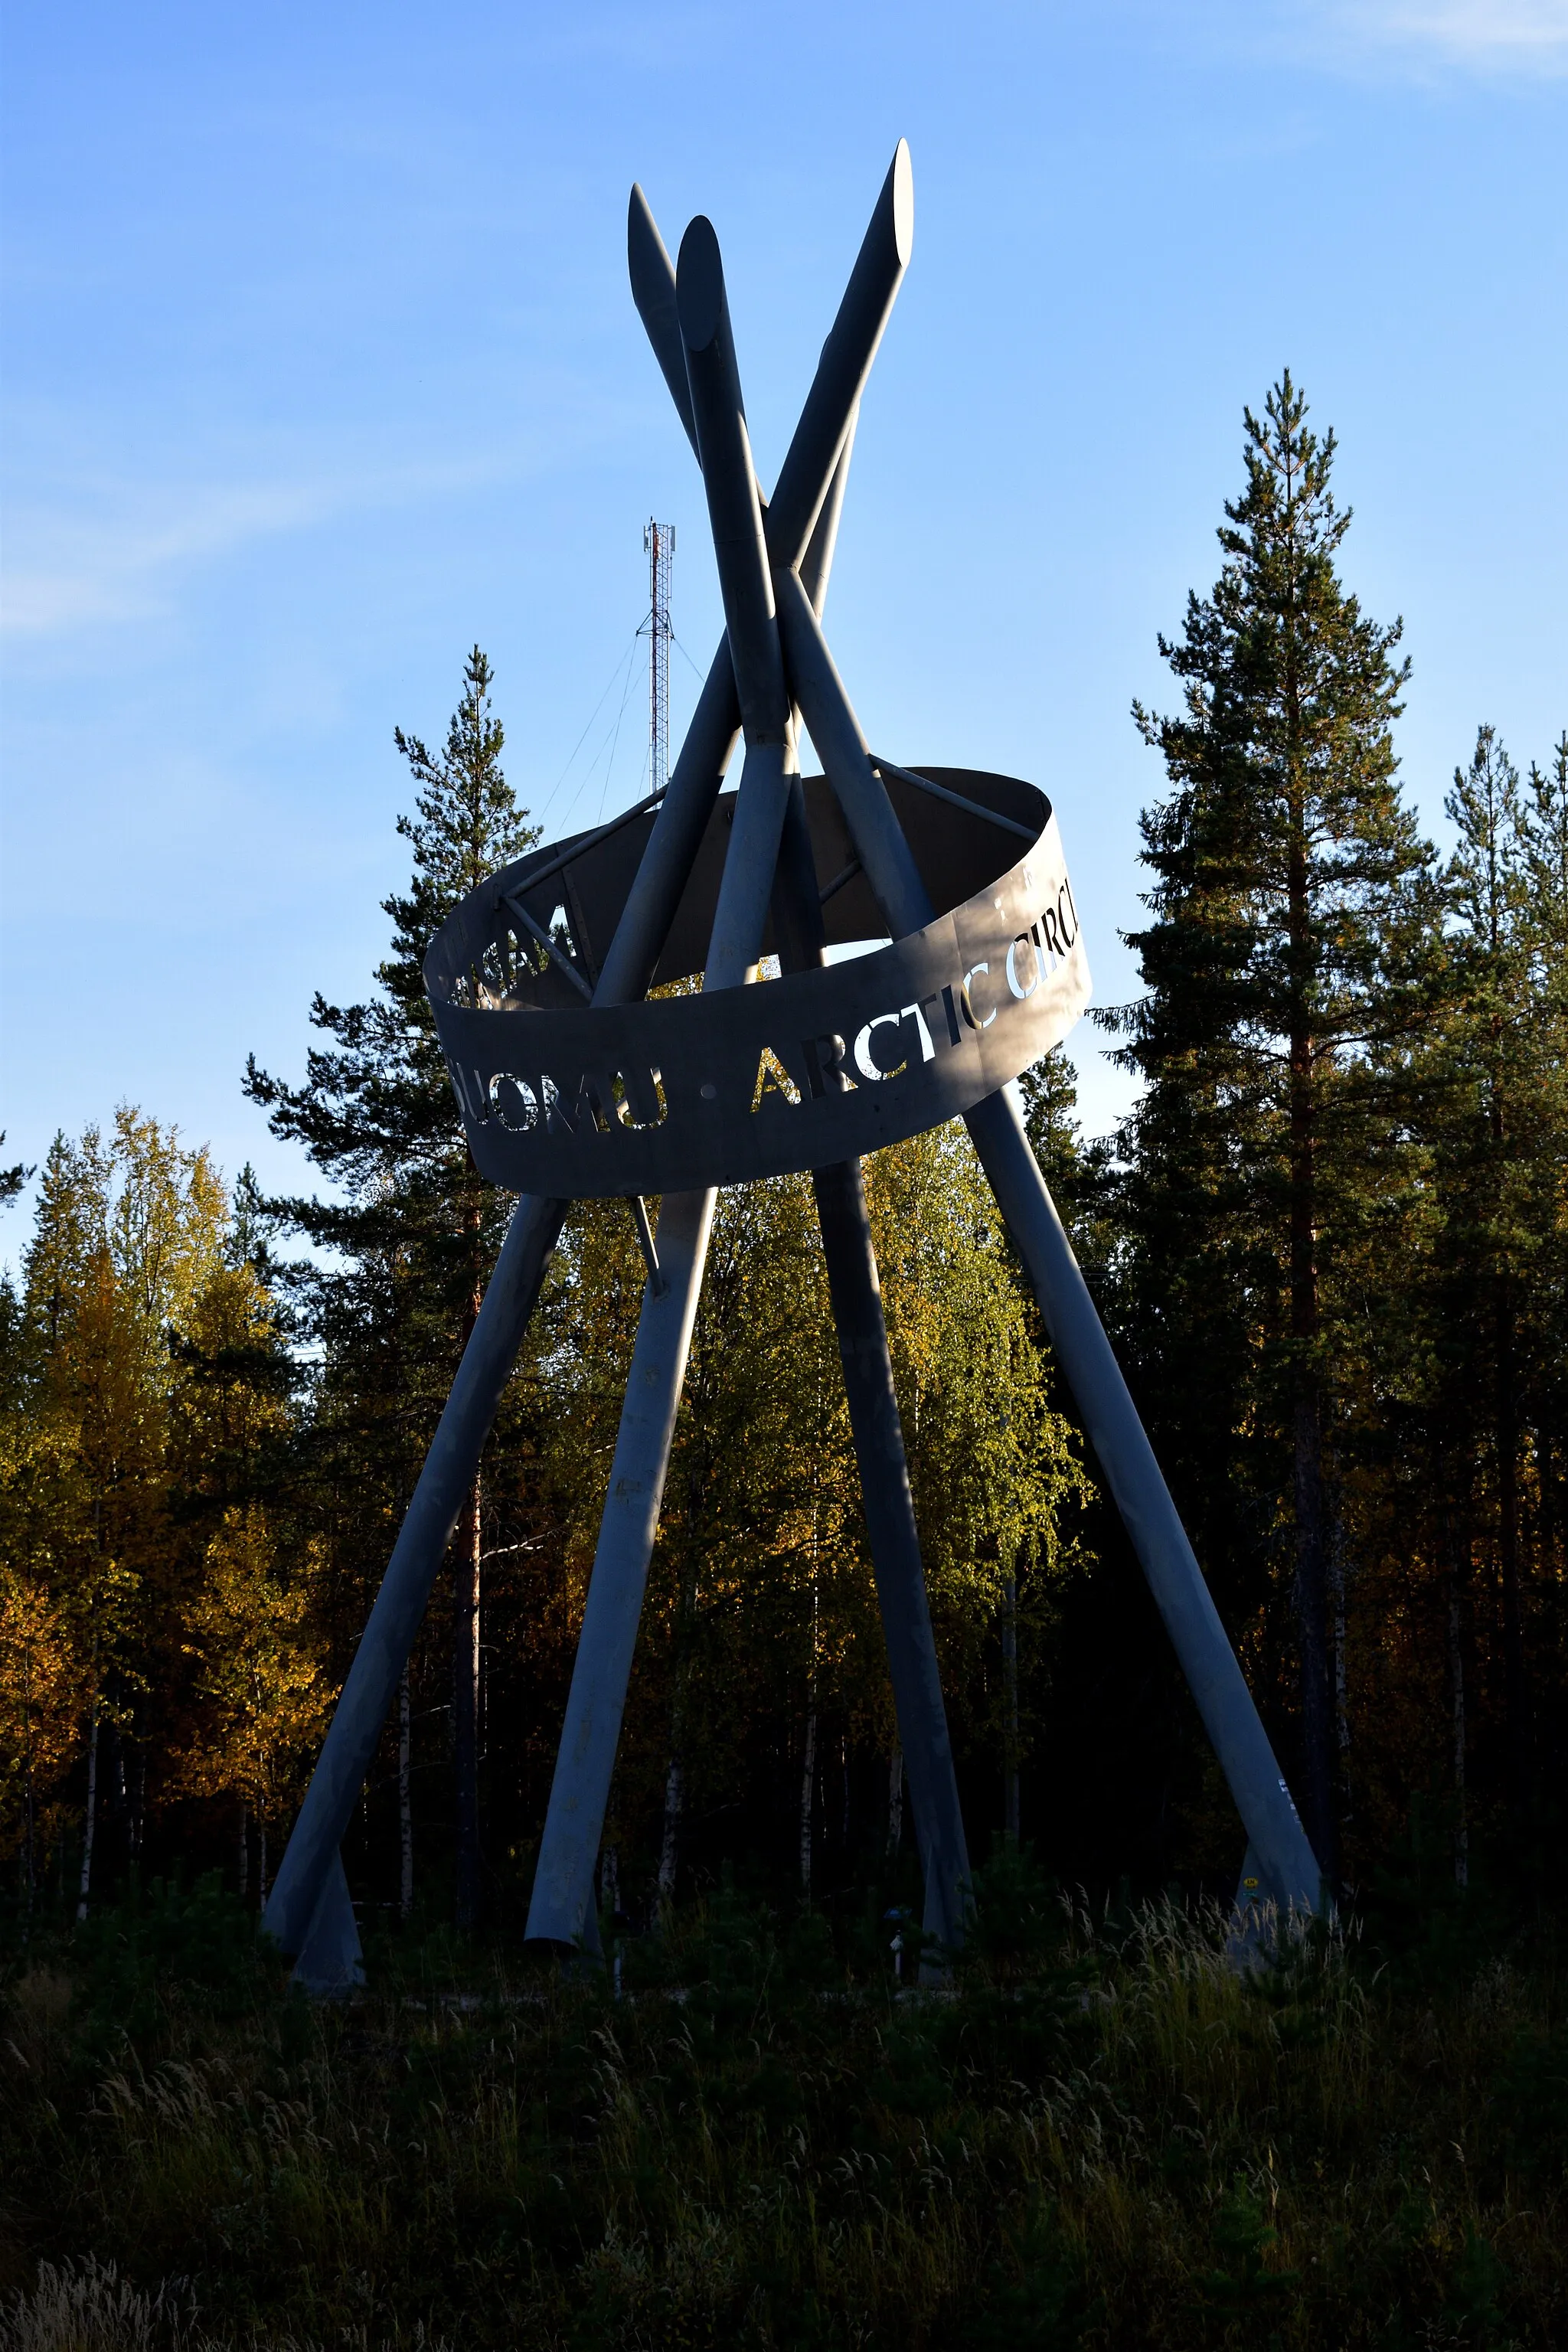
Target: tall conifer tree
x=1490 y=1044
x=417 y=1229
x=1290 y=900
x=1494 y=1087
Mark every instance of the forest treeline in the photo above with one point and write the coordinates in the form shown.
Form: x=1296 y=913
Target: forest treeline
x=1330 y=1242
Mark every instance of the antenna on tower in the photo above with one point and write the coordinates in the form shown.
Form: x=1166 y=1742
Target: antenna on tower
x=659 y=546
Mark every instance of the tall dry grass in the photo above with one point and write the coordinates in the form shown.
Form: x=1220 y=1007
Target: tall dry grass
x=1105 y=2133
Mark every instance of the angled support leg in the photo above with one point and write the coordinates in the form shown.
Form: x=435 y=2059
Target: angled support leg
x=814 y=472
x=562 y=1901
x=491 y=1351
x=895 y=1548
x=388 y=1637
x=690 y=334
x=561 y=1909
x=1151 y=1518
x=331 y=1964
x=856 y=1297
x=1077 y=1336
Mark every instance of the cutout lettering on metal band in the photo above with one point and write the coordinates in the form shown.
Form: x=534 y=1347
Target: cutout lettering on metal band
x=680 y=1092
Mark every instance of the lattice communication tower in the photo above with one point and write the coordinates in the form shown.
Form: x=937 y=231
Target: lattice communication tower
x=659 y=546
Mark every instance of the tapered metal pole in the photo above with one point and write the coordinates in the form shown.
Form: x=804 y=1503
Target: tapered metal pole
x=447 y=1473
x=810 y=486
x=1077 y=1336
x=844 y=365
x=308 y=1876
x=652 y=274
x=856 y=1297
x=879 y=837
x=416 y=1557
x=817 y=563
x=682 y=820
x=698 y=365
x=730 y=483
x=1148 y=1512
x=560 y=1910
x=890 y=1528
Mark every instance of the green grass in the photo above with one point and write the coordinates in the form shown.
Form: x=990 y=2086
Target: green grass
x=1103 y=2134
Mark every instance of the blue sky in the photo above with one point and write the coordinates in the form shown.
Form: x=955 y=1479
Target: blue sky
x=320 y=365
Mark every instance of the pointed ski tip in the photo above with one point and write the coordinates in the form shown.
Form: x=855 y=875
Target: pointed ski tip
x=647 y=259
x=699 y=284
x=902 y=182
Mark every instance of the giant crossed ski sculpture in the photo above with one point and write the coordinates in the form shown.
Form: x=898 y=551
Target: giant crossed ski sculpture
x=574 y=1085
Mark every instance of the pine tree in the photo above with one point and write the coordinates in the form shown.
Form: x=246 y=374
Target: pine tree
x=416 y=1231
x=1291 y=901
x=12 y=1179
x=1545 y=827
x=1489 y=1039
x=1492 y=1077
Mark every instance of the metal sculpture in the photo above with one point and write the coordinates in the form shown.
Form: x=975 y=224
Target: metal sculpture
x=573 y=1086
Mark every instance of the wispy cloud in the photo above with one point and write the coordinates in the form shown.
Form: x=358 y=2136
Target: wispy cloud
x=1485 y=34
x=67 y=569
x=109 y=551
